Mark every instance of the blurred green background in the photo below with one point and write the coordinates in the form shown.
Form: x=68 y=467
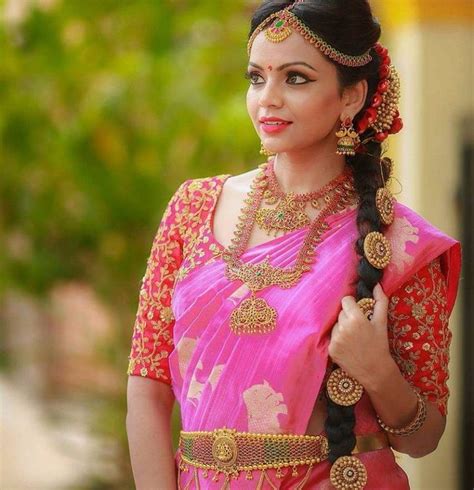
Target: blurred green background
x=105 y=108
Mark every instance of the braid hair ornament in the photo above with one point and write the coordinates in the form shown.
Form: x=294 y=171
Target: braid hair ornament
x=382 y=117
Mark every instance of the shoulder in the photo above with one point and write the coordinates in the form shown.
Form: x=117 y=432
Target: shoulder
x=203 y=188
x=415 y=242
x=411 y=232
x=407 y=219
x=194 y=188
x=194 y=193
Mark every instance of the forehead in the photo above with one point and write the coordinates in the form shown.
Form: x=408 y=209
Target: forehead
x=293 y=48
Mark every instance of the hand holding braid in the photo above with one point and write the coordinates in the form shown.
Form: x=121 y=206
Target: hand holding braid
x=359 y=345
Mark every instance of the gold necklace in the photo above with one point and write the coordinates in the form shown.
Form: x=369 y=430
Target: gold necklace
x=254 y=315
x=289 y=214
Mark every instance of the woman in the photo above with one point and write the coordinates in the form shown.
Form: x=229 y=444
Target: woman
x=297 y=313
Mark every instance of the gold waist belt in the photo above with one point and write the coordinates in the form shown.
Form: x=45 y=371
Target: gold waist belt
x=230 y=452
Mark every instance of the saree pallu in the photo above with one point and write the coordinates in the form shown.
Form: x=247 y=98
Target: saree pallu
x=269 y=383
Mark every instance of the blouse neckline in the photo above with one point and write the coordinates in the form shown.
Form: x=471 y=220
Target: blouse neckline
x=209 y=222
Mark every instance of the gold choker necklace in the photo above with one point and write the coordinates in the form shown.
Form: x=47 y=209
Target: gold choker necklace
x=290 y=214
x=254 y=315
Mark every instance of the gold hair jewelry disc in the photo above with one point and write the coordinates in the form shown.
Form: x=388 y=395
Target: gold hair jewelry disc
x=342 y=389
x=384 y=203
x=377 y=250
x=367 y=306
x=348 y=472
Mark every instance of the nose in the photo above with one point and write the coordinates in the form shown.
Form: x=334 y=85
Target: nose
x=270 y=95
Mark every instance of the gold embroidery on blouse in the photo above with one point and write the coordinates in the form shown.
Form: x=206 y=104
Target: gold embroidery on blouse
x=432 y=338
x=152 y=328
x=185 y=218
x=198 y=206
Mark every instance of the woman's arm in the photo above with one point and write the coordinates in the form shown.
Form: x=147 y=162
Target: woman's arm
x=150 y=404
x=411 y=352
x=149 y=395
x=396 y=404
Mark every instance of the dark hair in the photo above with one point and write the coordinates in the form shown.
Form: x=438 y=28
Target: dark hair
x=348 y=26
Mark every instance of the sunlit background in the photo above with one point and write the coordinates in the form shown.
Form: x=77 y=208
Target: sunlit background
x=105 y=108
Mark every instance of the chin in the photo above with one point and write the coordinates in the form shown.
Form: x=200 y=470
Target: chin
x=280 y=148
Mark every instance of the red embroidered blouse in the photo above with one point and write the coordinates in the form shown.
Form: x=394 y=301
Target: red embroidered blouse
x=418 y=330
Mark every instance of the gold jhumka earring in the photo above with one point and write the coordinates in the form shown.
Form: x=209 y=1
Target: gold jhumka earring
x=348 y=138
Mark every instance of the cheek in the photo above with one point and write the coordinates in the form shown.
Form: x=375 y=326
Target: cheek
x=320 y=106
x=317 y=115
x=252 y=104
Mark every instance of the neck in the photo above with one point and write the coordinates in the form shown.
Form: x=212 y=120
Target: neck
x=307 y=170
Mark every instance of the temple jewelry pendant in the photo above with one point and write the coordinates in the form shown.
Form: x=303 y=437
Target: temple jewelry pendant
x=253 y=316
x=288 y=216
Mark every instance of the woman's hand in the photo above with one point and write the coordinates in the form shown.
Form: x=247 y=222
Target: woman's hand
x=359 y=345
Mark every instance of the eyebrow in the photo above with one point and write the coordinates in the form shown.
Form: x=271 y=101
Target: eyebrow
x=286 y=65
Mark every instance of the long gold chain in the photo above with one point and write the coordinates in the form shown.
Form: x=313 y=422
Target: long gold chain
x=254 y=315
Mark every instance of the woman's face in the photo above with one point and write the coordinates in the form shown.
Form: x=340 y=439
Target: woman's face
x=292 y=80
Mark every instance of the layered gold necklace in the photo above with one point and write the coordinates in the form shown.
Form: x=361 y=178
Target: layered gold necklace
x=254 y=315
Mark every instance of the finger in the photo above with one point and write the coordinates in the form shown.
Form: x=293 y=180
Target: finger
x=349 y=304
x=342 y=316
x=381 y=306
x=335 y=329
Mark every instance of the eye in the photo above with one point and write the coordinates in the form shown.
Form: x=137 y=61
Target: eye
x=294 y=75
x=253 y=77
x=294 y=78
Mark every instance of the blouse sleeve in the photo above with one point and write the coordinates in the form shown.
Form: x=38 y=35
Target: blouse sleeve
x=152 y=339
x=419 y=335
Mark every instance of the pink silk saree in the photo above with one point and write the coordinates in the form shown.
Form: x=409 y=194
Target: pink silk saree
x=269 y=383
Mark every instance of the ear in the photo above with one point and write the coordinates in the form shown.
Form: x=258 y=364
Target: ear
x=353 y=98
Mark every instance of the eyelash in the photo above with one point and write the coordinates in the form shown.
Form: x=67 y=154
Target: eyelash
x=249 y=74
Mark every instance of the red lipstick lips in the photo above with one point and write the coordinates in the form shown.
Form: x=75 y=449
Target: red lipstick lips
x=273 y=124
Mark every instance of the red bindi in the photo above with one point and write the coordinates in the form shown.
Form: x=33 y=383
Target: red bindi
x=270 y=67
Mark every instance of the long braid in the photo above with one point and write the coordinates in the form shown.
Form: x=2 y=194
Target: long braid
x=340 y=422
